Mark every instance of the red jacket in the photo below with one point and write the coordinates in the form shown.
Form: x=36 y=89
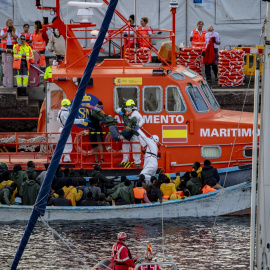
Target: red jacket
x=121 y=256
x=209 y=57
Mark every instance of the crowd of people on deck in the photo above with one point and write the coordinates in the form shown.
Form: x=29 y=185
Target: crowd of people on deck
x=22 y=46
x=70 y=188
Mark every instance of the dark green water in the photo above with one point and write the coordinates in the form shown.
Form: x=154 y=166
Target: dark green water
x=193 y=243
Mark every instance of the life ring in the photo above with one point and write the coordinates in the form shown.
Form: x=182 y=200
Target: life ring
x=231 y=67
x=191 y=58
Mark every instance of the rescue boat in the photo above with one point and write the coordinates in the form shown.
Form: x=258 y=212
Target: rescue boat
x=177 y=104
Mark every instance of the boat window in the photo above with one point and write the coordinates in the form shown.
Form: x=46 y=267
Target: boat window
x=208 y=94
x=152 y=99
x=211 y=151
x=196 y=98
x=174 y=101
x=177 y=76
x=247 y=152
x=124 y=93
x=190 y=73
x=56 y=98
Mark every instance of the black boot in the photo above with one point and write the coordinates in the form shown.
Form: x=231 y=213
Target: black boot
x=24 y=91
x=19 y=89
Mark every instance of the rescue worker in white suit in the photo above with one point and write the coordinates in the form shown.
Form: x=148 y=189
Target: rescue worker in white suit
x=132 y=111
x=62 y=118
x=150 y=158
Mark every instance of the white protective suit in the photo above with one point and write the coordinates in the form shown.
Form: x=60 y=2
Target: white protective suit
x=150 y=158
x=62 y=118
x=135 y=146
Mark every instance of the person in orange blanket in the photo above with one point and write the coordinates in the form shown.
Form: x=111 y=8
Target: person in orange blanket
x=120 y=253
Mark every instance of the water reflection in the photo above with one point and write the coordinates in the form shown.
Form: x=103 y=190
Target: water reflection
x=193 y=243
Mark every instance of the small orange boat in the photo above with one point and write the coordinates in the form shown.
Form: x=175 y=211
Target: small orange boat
x=176 y=103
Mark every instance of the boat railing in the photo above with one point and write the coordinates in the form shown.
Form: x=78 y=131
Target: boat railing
x=156 y=263
x=19 y=148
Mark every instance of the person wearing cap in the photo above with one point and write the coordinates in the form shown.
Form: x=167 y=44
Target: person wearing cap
x=131 y=112
x=22 y=57
x=151 y=153
x=62 y=118
x=121 y=254
x=148 y=256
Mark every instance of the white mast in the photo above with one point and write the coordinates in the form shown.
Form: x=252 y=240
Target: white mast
x=263 y=210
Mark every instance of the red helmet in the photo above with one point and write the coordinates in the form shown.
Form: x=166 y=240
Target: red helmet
x=122 y=236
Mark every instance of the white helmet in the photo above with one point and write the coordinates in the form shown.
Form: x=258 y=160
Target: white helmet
x=155 y=138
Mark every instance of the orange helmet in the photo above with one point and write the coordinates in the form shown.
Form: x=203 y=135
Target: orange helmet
x=122 y=236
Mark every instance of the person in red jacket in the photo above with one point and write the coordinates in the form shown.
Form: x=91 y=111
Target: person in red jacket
x=120 y=253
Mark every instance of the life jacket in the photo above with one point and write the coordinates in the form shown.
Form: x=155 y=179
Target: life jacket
x=38 y=43
x=3 y=43
x=166 y=197
x=138 y=194
x=116 y=251
x=18 y=51
x=27 y=35
x=197 y=39
x=144 y=32
x=179 y=194
x=207 y=189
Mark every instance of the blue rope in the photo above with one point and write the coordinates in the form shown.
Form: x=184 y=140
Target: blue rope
x=41 y=202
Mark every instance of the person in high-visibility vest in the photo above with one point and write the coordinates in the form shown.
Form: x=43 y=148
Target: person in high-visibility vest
x=9 y=35
x=197 y=36
x=146 y=31
x=48 y=74
x=40 y=40
x=22 y=57
x=28 y=35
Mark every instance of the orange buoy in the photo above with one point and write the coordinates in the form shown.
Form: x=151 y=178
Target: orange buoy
x=231 y=67
x=191 y=58
x=141 y=55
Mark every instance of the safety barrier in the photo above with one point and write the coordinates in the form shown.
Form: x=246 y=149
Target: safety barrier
x=250 y=58
x=191 y=58
x=230 y=68
x=19 y=148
